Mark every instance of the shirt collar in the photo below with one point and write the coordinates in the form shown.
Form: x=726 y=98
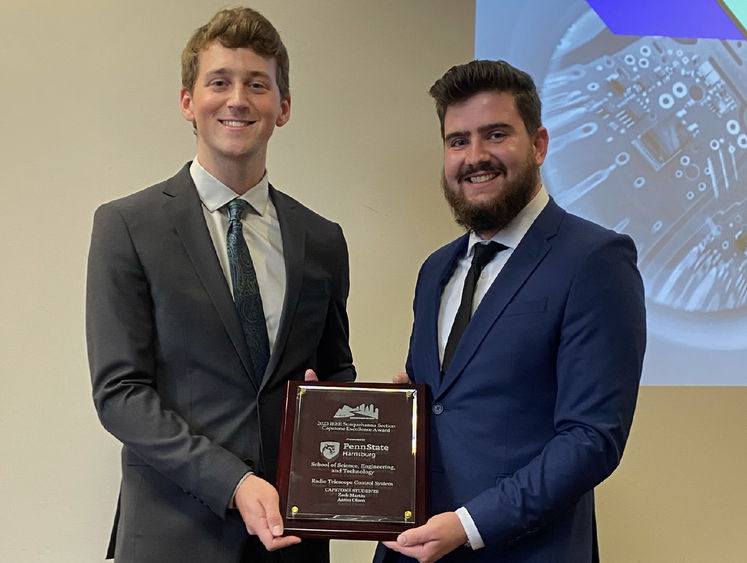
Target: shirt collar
x=512 y=233
x=214 y=194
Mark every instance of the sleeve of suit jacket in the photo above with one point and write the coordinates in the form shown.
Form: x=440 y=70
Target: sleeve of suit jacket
x=334 y=360
x=124 y=357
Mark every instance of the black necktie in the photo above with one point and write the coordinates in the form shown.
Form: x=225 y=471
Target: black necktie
x=483 y=254
x=246 y=290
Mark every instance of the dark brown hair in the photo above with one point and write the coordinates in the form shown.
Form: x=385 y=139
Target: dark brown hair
x=464 y=81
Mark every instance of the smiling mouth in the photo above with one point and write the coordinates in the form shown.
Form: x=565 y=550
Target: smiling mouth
x=482 y=178
x=235 y=123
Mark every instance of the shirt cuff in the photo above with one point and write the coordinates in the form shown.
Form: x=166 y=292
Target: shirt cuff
x=232 y=502
x=474 y=540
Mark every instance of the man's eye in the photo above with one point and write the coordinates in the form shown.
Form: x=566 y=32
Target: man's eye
x=257 y=86
x=496 y=135
x=456 y=143
x=218 y=83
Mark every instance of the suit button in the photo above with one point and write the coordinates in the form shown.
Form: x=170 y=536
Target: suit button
x=437 y=408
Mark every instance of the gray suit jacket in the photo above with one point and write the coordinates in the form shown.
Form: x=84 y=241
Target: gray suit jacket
x=170 y=367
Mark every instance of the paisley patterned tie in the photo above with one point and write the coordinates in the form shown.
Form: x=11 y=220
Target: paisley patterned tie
x=246 y=290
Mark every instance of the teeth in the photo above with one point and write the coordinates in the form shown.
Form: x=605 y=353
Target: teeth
x=235 y=123
x=483 y=178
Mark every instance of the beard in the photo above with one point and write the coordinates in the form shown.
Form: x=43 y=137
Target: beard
x=493 y=215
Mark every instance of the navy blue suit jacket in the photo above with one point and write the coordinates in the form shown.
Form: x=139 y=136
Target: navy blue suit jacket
x=537 y=403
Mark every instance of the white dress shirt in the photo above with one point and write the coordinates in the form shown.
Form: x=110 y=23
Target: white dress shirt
x=510 y=236
x=261 y=230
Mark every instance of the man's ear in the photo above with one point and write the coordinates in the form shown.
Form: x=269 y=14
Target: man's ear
x=539 y=143
x=285 y=112
x=185 y=104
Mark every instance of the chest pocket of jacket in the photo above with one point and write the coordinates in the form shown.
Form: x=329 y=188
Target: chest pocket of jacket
x=526 y=307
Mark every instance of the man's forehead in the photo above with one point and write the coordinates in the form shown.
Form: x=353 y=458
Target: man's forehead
x=215 y=49
x=482 y=109
x=485 y=100
x=215 y=59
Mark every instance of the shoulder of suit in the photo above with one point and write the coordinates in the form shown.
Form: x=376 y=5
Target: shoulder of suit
x=586 y=227
x=148 y=196
x=579 y=236
x=291 y=204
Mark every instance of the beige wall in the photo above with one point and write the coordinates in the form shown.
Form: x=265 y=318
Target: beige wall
x=680 y=493
x=89 y=113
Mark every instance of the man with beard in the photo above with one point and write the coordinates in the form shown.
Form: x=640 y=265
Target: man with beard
x=529 y=331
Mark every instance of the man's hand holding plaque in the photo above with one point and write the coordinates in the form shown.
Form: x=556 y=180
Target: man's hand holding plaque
x=257 y=501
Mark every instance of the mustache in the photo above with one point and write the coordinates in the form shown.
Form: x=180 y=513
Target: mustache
x=484 y=166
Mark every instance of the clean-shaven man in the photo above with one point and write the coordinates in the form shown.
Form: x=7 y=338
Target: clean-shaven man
x=206 y=293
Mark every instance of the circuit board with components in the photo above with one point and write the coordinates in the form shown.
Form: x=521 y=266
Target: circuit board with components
x=648 y=136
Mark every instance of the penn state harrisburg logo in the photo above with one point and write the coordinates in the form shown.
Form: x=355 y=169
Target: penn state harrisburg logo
x=330 y=450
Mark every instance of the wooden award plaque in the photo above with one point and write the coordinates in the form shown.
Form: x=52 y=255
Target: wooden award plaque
x=353 y=460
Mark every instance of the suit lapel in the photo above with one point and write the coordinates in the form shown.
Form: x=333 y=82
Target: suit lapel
x=531 y=251
x=293 y=232
x=184 y=209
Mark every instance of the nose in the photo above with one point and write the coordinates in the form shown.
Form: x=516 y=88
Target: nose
x=477 y=152
x=237 y=98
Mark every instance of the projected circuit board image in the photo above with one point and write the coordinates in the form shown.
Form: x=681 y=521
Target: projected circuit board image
x=649 y=137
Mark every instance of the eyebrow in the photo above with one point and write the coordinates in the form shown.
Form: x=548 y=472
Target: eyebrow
x=225 y=71
x=482 y=129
